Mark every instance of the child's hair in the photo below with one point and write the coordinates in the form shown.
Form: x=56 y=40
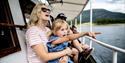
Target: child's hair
x=57 y=24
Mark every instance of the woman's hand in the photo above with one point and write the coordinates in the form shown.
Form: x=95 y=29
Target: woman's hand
x=63 y=59
x=68 y=51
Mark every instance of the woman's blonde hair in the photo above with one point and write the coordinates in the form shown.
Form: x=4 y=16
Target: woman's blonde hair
x=57 y=24
x=34 y=17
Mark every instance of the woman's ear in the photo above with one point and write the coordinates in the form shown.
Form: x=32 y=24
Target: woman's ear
x=38 y=13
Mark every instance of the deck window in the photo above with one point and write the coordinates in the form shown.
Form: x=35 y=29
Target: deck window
x=9 y=42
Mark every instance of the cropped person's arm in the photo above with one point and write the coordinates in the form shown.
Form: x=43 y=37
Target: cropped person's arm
x=45 y=56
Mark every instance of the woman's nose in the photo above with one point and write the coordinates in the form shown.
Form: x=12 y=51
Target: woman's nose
x=48 y=12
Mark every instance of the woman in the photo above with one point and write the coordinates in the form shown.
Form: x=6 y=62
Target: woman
x=36 y=37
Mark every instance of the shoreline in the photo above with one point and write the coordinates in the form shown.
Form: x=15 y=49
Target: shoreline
x=88 y=24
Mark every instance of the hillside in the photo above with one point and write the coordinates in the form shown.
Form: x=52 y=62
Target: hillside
x=101 y=13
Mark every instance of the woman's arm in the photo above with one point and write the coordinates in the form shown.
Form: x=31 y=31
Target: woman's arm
x=45 y=56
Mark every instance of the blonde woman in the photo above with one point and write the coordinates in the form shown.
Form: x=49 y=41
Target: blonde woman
x=36 y=38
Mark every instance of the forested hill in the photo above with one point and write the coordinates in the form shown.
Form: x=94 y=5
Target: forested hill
x=101 y=14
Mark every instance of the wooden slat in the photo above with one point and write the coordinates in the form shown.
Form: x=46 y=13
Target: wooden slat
x=12 y=25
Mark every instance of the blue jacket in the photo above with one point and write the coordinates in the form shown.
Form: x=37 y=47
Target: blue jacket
x=56 y=48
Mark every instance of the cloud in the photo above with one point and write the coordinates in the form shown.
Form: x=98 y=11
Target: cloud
x=116 y=1
x=111 y=5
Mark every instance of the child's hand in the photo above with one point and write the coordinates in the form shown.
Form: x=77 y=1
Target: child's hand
x=92 y=34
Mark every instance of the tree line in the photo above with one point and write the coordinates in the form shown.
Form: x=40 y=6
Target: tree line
x=108 y=21
x=101 y=21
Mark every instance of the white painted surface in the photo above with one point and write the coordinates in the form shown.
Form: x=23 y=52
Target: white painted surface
x=20 y=56
x=16 y=12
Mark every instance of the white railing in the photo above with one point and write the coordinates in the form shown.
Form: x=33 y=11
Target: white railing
x=113 y=48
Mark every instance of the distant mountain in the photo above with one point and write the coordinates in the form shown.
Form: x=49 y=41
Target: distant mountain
x=101 y=13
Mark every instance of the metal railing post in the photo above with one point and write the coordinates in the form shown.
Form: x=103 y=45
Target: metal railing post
x=76 y=22
x=113 y=48
x=90 y=21
x=80 y=22
x=70 y=23
x=114 y=56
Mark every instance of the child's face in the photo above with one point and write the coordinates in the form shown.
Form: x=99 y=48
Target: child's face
x=63 y=31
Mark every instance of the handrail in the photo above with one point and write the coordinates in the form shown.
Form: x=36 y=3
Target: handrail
x=113 y=48
x=107 y=45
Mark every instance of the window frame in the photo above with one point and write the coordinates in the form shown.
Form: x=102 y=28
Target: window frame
x=10 y=24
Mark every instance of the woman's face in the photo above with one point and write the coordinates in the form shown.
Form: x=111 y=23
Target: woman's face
x=45 y=13
x=63 y=31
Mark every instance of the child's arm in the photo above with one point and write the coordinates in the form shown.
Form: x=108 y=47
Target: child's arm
x=74 y=36
x=67 y=38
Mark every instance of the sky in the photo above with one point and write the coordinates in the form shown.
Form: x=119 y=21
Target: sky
x=111 y=5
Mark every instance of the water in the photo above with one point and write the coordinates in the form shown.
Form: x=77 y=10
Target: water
x=111 y=34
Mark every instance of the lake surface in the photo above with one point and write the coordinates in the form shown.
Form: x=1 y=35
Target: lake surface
x=111 y=34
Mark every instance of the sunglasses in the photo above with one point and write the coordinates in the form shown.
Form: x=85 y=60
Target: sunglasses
x=45 y=10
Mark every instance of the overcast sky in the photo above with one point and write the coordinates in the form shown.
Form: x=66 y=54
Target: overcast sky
x=111 y=5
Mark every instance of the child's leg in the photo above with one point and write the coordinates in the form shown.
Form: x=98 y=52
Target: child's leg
x=85 y=46
x=75 y=53
x=86 y=51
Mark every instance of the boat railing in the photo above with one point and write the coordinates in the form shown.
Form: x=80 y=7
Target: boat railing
x=113 y=48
